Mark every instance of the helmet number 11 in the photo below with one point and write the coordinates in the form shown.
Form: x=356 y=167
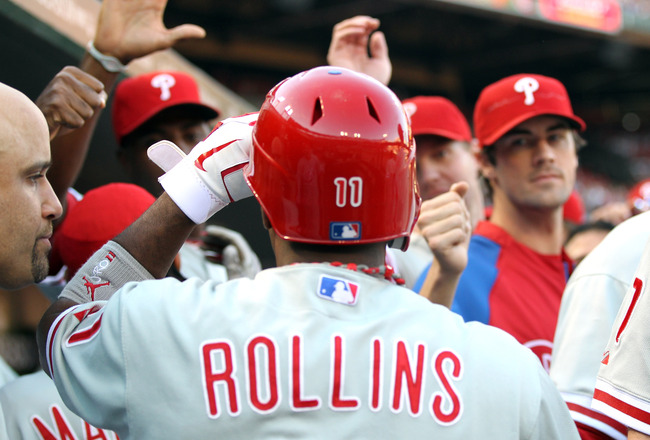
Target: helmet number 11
x=351 y=189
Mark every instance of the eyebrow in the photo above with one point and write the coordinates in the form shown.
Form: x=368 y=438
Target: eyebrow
x=38 y=166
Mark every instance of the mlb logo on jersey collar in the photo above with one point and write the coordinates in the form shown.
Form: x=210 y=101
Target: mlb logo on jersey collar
x=345 y=230
x=338 y=290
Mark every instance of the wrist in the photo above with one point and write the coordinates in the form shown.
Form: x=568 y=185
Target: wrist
x=108 y=62
x=190 y=193
x=450 y=268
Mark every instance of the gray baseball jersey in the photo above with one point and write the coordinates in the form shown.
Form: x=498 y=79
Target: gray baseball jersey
x=194 y=264
x=623 y=386
x=7 y=374
x=301 y=351
x=31 y=409
x=589 y=306
x=410 y=263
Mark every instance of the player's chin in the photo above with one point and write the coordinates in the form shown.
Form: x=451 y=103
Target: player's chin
x=40 y=262
x=548 y=202
x=430 y=193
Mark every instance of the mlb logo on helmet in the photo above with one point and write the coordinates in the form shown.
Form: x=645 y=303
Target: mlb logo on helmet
x=345 y=230
x=338 y=290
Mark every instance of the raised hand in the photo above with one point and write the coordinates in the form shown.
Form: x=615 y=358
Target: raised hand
x=352 y=39
x=445 y=224
x=230 y=248
x=70 y=99
x=128 y=29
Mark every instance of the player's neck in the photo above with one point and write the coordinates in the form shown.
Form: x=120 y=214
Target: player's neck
x=540 y=230
x=371 y=255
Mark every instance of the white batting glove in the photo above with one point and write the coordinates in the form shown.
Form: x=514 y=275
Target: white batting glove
x=212 y=175
x=238 y=257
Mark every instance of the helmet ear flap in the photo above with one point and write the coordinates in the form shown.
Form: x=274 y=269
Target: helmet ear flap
x=401 y=243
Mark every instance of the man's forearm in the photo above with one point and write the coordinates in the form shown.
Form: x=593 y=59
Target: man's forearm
x=440 y=287
x=69 y=150
x=156 y=237
x=146 y=248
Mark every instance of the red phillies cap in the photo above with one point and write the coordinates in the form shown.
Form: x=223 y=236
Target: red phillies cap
x=438 y=116
x=139 y=98
x=574 y=209
x=510 y=101
x=99 y=216
x=638 y=197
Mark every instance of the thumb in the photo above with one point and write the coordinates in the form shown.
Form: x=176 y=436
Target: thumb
x=460 y=188
x=186 y=31
x=165 y=154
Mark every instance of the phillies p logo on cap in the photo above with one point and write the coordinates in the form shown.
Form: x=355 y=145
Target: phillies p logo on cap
x=508 y=102
x=528 y=86
x=164 y=82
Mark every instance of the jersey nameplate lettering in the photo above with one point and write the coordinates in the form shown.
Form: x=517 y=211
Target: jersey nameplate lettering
x=408 y=367
x=62 y=429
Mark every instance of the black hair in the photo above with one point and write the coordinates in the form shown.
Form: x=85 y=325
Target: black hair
x=598 y=225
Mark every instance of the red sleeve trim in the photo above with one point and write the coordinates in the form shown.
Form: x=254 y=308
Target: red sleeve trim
x=596 y=415
x=626 y=408
x=87 y=334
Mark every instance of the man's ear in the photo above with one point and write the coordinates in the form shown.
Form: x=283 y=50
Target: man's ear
x=487 y=172
x=265 y=220
x=485 y=165
x=475 y=148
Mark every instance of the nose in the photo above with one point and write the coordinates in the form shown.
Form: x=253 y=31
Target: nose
x=544 y=152
x=427 y=170
x=51 y=207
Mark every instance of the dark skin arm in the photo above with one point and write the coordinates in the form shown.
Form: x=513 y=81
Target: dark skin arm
x=154 y=240
x=127 y=30
x=71 y=136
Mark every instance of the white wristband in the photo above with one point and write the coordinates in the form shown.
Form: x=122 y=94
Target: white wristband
x=109 y=63
x=190 y=193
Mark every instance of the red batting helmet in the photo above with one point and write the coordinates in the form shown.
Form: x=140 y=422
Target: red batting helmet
x=333 y=160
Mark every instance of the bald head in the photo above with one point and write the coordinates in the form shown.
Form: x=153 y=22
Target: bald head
x=28 y=204
x=19 y=115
